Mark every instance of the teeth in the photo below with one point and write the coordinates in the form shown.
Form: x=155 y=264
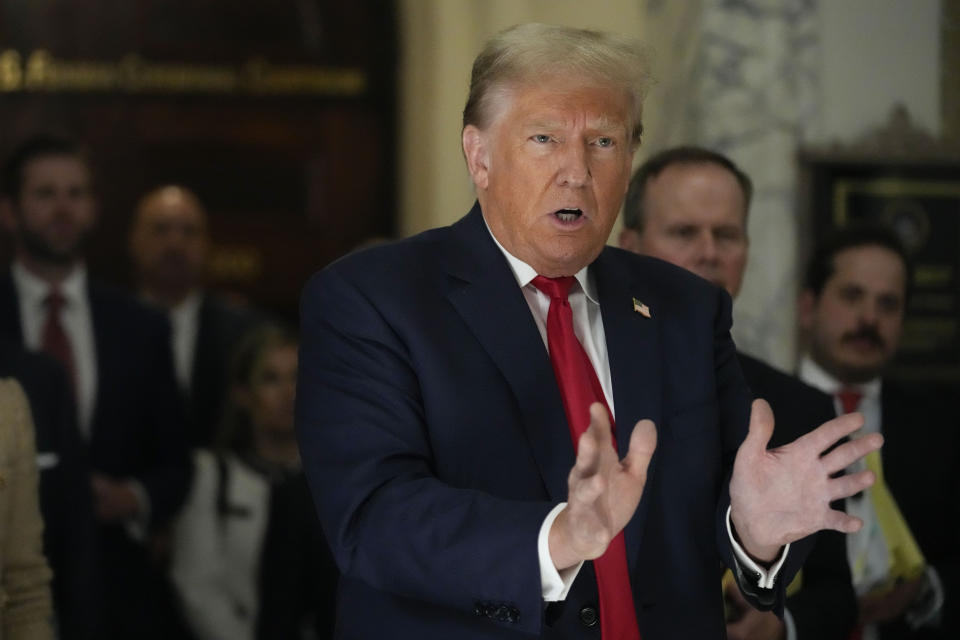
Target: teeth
x=568 y=215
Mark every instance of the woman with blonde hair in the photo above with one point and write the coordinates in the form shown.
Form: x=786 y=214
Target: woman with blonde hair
x=249 y=560
x=25 y=606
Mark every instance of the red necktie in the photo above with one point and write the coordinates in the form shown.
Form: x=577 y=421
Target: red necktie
x=849 y=399
x=580 y=387
x=54 y=339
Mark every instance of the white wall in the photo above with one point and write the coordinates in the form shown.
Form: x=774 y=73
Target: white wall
x=876 y=53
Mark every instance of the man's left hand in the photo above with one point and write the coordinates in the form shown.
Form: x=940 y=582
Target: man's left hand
x=780 y=495
x=114 y=500
x=752 y=624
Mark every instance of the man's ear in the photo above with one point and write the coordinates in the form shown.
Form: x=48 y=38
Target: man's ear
x=806 y=304
x=630 y=240
x=476 y=151
x=7 y=218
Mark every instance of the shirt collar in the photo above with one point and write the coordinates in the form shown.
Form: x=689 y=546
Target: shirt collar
x=816 y=376
x=525 y=274
x=35 y=289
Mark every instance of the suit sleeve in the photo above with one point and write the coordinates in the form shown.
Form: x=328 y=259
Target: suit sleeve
x=364 y=434
x=166 y=476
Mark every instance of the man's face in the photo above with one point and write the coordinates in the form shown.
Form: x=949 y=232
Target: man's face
x=551 y=172
x=695 y=218
x=55 y=210
x=169 y=239
x=854 y=325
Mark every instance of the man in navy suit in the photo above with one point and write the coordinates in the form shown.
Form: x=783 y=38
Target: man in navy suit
x=688 y=205
x=462 y=495
x=116 y=356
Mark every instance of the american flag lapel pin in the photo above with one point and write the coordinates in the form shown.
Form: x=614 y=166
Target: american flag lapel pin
x=641 y=308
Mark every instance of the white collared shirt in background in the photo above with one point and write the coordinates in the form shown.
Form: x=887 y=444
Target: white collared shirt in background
x=184 y=327
x=869 y=542
x=77 y=323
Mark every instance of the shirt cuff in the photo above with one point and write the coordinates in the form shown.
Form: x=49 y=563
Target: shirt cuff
x=554 y=584
x=789 y=625
x=765 y=577
x=137 y=526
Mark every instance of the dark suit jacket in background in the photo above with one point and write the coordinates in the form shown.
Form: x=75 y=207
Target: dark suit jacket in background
x=137 y=430
x=826 y=606
x=69 y=532
x=221 y=327
x=433 y=435
x=921 y=465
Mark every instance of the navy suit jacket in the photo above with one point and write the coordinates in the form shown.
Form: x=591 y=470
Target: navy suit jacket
x=921 y=455
x=69 y=539
x=434 y=438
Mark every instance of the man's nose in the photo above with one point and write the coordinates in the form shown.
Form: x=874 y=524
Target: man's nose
x=869 y=312
x=574 y=168
x=707 y=247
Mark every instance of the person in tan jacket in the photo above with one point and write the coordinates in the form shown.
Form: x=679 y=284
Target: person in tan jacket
x=25 y=606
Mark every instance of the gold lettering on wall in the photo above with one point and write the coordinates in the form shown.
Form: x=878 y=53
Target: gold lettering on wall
x=40 y=71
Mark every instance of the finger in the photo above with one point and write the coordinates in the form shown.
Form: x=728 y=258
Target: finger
x=761 y=427
x=840 y=521
x=588 y=456
x=643 y=442
x=821 y=438
x=850 y=485
x=599 y=421
x=587 y=490
x=849 y=452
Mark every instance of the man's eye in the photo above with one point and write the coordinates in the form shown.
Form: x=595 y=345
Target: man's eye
x=604 y=141
x=541 y=138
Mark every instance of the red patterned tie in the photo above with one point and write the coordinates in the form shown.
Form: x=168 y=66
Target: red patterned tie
x=580 y=387
x=849 y=399
x=54 y=339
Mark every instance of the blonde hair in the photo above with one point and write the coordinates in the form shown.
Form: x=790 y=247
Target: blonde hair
x=528 y=53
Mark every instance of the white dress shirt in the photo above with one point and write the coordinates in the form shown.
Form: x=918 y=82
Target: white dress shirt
x=77 y=323
x=184 y=326
x=588 y=327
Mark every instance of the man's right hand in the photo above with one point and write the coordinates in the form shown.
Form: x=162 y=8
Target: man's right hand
x=603 y=491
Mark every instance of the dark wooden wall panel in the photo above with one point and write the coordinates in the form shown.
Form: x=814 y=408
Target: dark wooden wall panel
x=292 y=179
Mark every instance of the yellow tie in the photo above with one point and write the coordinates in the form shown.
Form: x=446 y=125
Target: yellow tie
x=906 y=560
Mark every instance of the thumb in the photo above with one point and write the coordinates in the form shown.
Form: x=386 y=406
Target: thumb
x=761 y=426
x=643 y=442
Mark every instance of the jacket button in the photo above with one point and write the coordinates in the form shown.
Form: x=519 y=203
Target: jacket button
x=588 y=615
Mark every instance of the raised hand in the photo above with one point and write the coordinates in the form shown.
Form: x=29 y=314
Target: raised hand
x=780 y=495
x=603 y=491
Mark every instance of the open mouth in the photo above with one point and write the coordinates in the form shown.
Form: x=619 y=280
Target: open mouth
x=568 y=215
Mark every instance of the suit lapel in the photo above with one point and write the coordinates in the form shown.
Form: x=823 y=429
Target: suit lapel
x=633 y=348
x=485 y=294
x=10 y=309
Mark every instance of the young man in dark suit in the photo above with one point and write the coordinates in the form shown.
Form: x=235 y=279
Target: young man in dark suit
x=689 y=205
x=456 y=393
x=906 y=565
x=116 y=355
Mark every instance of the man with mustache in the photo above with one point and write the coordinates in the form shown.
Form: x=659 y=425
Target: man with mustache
x=169 y=246
x=904 y=565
